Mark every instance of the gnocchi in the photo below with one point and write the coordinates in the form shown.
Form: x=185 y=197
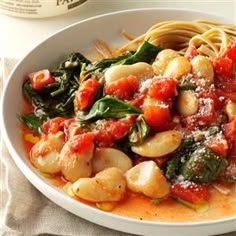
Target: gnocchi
x=141 y=70
x=148 y=179
x=177 y=68
x=202 y=68
x=75 y=164
x=187 y=103
x=110 y=157
x=107 y=186
x=160 y=144
x=230 y=109
x=163 y=59
x=45 y=154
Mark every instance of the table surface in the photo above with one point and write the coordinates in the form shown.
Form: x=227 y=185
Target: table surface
x=18 y=36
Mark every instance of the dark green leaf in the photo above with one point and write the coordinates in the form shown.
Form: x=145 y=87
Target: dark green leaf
x=31 y=121
x=139 y=131
x=56 y=99
x=109 y=107
x=203 y=166
x=147 y=52
x=106 y=63
x=187 y=146
x=187 y=86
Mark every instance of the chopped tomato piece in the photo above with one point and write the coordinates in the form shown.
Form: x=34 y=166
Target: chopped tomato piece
x=137 y=101
x=231 y=52
x=85 y=94
x=53 y=125
x=219 y=102
x=230 y=95
x=162 y=88
x=82 y=142
x=190 y=192
x=223 y=66
x=157 y=116
x=230 y=128
x=218 y=144
x=40 y=79
x=206 y=112
x=230 y=135
x=191 y=52
x=103 y=138
x=124 y=88
x=117 y=129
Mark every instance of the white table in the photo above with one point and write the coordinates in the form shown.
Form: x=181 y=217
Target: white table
x=18 y=35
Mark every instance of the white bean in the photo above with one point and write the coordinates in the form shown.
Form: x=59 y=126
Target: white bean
x=148 y=179
x=187 y=103
x=45 y=154
x=141 y=70
x=159 y=145
x=162 y=60
x=177 y=68
x=230 y=109
x=108 y=185
x=202 y=68
x=110 y=157
x=74 y=164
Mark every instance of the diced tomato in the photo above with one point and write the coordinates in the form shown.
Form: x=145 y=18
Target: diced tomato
x=231 y=52
x=226 y=94
x=191 y=52
x=190 y=192
x=82 y=142
x=219 y=103
x=103 y=138
x=157 y=116
x=230 y=128
x=85 y=94
x=218 y=144
x=53 y=125
x=230 y=135
x=162 y=88
x=117 y=129
x=206 y=112
x=124 y=88
x=137 y=101
x=223 y=66
x=40 y=79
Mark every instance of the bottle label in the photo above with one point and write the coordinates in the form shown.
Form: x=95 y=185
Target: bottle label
x=38 y=8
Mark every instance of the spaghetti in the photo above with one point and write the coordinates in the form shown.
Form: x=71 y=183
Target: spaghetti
x=210 y=38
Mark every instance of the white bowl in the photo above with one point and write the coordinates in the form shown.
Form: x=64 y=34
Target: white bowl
x=80 y=37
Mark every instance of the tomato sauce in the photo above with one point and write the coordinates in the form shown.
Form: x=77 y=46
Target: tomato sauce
x=140 y=207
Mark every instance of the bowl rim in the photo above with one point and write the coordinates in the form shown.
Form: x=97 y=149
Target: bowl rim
x=38 y=180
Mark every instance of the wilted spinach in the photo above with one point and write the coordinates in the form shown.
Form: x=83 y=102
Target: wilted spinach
x=55 y=99
x=203 y=166
x=109 y=107
x=138 y=131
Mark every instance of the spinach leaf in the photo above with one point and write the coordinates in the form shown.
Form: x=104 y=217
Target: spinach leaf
x=139 y=131
x=186 y=83
x=56 y=99
x=109 y=107
x=186 y=86
x=147 y=52
x=187 y=146
x=106 y=63
x=203 y=166
x=32 y=121
x=185 y=150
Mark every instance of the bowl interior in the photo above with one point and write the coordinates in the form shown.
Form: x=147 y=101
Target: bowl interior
x=80 y=37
